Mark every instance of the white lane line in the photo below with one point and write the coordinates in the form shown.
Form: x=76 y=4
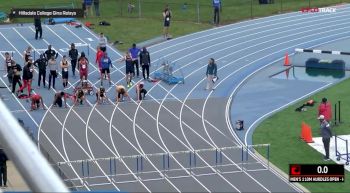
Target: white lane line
x=233 y=27
x=206 y=100
x=48 y=110
x=279 y=108
x=250 y=34
x=110 y=101
x=228 y=117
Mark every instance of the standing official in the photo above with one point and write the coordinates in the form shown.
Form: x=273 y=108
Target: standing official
x=73 y=54
x=3 y=168
x=145 y=61
x=41 y=64
x=217 y=9
x=8 y=67
x=326 y=134
x=49 y=53
x=38 y=28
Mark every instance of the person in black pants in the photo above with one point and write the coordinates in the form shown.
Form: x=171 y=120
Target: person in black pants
x=38 y=28
x=49 y=53
x=73 y=54
x=217 y=9
x=326 y=134
x=145 y=61
x=8 y=67
x=3 y=168
x=16 y=75
x=53 y=67
x=41 y=64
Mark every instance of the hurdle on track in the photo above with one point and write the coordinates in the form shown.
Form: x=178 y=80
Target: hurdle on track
x=64 y=51
x=321 y=51
x=158 y=166
x=2 y=52
x=342 y=155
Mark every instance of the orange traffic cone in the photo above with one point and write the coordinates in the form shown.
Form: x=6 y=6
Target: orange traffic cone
x=286 y=60
x=308 y=134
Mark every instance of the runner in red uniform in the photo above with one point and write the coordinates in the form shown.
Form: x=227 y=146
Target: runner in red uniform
x=83 y=64
x=37 y=100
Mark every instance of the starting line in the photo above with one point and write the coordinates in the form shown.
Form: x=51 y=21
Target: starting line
x=158 y=166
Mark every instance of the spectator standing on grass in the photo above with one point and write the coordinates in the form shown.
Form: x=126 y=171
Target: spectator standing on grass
x=27 y=77
x=326 y=134
x=166 y=16
x=73 y=54
x=211 y=73
x=53 y=67
x=49 y=53
x=325 y=109
x=217 y=9
x=64 y=66
x=102 y=42
x=97 y=7
x=129 y=68
x=3 y=168
x=8 y=67
x=16 y=68
x=38 y=28
x=134 y=51
x=106 y=63
x=83 y=7
x=27 y=53
x=41 y=64
x=99 y=55
x=145 y=62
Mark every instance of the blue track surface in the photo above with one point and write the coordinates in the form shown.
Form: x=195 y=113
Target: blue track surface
x=240 y=50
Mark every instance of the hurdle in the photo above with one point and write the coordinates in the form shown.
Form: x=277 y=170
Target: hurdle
x=167 y=165
x=299 y=50
x=342 y=155
x=2 y=52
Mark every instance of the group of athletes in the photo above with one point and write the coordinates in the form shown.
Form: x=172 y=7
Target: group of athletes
x=23 y=76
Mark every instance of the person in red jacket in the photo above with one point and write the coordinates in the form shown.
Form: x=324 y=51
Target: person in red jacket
x=99 y=55
x=325 y=109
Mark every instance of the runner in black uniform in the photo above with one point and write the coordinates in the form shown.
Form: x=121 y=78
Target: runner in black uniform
x=16 y=75
x=58 y=101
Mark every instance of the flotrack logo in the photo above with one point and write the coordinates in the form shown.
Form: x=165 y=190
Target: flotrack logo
x=319 y=10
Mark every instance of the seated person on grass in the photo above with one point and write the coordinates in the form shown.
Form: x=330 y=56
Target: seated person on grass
x=36 y=101
x=121 y=93
x=59 y=98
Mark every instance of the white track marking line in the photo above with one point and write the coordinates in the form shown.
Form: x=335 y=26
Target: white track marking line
x=232 y=27
x=249 y=34
x=110 y=101
x=48 y=109
x=206 y=100
x=228 y=120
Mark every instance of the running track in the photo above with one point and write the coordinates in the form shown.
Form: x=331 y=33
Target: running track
x=174 y=118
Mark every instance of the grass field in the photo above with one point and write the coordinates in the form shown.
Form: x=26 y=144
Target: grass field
x=282 y=131
x=145 y=22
